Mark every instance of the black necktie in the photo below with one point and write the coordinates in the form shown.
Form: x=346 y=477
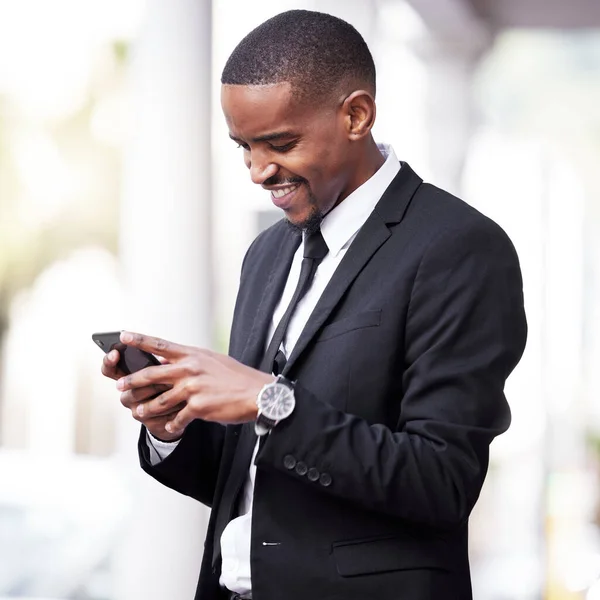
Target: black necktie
x=315 y=250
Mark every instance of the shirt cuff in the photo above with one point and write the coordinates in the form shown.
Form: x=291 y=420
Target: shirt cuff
x=159 y=450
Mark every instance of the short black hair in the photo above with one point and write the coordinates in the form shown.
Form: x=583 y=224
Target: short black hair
x=315 y=52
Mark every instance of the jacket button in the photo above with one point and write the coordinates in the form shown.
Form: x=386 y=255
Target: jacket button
x=289 y=462
x=313 y=474
x=301 y=468
x=325 y=479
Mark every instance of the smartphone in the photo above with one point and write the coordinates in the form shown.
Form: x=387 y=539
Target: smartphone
x=130 y=359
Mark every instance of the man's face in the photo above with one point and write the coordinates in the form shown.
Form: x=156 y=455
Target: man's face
x=300 y=153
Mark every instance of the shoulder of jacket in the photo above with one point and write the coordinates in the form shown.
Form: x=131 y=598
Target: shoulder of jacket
x=266 y=239
x=445 y=213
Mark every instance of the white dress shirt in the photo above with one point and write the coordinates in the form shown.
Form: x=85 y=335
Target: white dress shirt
x=339 y=228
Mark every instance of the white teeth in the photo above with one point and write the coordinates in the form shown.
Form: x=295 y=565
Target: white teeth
x=283 y=191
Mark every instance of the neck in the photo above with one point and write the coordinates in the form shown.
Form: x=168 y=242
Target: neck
x=374 y=159
x=369 y=163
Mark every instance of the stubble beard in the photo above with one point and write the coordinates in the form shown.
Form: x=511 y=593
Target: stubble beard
x=312 y=223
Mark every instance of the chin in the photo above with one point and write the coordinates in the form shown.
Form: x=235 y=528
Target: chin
x=309 y=222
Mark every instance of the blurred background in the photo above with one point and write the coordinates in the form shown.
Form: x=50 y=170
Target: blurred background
x=123 y=204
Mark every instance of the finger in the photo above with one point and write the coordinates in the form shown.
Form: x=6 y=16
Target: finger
x=164 y=403
x=158 y=418
x=111 y=359
x=149 y=392
x=108 y=371
x=135 y=396
x=181 y=420
x=154 y=345
x=165 y=374
x=109 y=365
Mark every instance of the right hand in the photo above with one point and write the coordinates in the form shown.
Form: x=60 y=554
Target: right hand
x=132 y=398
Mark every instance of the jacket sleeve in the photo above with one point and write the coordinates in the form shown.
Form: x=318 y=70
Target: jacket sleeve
x=192 y=468
x=465 y=332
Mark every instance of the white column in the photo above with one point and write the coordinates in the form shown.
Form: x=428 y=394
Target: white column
x=165 y=251
x=451 y=45
x=451 y=117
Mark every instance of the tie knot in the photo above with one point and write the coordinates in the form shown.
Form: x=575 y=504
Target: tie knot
x=315 y=246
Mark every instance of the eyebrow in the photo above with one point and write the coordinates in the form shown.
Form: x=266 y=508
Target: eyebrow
x=269 y=137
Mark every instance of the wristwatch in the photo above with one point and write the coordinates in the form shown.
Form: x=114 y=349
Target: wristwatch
x=275 y=402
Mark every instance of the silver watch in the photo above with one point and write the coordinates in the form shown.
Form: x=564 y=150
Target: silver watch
x=275 y=402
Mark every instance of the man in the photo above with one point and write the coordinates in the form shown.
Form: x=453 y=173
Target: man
x=344 y=441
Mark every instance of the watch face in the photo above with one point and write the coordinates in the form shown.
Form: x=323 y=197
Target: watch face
x=277 y=401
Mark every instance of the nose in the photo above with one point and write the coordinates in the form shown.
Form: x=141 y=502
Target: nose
x=260 y=170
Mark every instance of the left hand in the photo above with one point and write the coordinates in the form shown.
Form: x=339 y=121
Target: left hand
x=213 y=387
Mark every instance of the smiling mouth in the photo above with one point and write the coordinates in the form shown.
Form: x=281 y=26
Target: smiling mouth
x=285 y=197
x=280 y=193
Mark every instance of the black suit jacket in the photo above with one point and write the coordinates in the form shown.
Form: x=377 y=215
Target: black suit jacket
x=365 y=491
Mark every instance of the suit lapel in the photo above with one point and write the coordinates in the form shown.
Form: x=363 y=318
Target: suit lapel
x=390 y=209
x=270 y=295
x=372 y=235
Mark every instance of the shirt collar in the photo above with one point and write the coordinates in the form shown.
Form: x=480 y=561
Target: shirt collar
x=341 y=224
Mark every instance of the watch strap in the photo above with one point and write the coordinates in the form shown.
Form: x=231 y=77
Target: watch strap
x=285 y=381
x=263 y=424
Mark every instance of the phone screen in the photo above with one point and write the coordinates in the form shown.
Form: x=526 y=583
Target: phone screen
x=134 y=359
x=131 y=359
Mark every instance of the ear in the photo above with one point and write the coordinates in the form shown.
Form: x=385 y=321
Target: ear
x=359 y=114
